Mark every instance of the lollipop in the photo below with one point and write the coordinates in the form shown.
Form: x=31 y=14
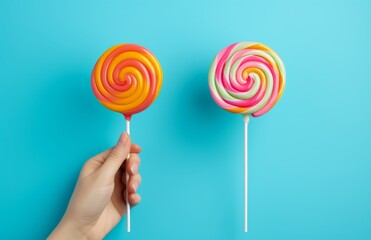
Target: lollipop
x=247 y=78
x=127 y=79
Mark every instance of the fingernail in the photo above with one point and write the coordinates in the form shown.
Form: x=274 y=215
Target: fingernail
x=135 y=186
x=134 y=168
x=123 y=138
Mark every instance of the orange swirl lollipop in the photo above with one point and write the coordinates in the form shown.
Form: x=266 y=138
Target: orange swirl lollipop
x=127 y=79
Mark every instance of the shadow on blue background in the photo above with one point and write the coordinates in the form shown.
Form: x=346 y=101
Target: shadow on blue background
x=309 y=158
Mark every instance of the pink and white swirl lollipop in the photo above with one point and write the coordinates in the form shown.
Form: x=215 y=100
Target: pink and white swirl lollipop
x=247 y=78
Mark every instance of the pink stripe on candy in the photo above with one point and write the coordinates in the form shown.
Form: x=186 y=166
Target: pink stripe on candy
x=221 y=59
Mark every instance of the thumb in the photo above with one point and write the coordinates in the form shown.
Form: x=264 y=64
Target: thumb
x=117 y=156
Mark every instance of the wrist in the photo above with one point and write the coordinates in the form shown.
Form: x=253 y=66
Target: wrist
x=67 y=230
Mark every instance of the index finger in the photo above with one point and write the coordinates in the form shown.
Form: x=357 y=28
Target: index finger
x=135 y=148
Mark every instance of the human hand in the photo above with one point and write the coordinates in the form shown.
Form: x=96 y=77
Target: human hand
x=98 y=201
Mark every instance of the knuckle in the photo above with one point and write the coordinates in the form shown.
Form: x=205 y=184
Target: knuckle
x=114 y=155
x=138 y=177
x=135 y=157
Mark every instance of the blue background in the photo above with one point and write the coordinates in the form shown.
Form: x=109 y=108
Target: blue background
x=309 y=158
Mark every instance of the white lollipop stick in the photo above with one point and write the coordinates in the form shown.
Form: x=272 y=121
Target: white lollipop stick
x=246 y=122
x=126 y=183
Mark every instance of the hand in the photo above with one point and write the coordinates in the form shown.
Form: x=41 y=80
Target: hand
x=98 y=201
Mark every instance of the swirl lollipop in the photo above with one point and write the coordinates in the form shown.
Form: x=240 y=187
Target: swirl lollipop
x=247 y=78
x=127 y=79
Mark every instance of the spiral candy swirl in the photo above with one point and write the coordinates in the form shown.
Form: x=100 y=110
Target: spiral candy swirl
x=247 y=78
x=127 y=79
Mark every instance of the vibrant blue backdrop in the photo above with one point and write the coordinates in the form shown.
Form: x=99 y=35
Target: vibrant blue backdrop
x=310 y=168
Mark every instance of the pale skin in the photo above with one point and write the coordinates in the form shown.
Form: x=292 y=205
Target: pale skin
x=98 y=201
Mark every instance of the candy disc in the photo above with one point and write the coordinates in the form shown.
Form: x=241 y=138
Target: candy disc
x=127 y=79
x=247 y=78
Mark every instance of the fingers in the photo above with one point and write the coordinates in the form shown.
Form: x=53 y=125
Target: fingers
x=133 y=164
x=134 y=182
x=132 y=169
x=117 y=156
x=134 y=199
x=135 y=148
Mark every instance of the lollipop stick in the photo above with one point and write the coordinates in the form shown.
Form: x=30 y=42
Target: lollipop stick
x=126 y=184
x=246 y=122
